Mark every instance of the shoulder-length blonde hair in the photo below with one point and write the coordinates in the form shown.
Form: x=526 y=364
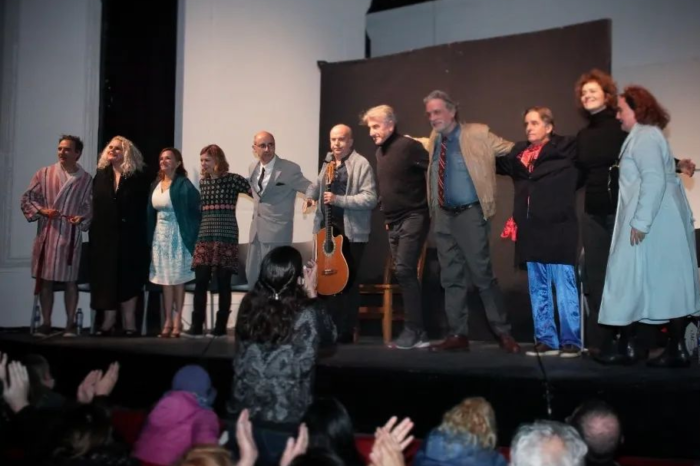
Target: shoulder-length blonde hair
x=216 y=153
x=474 y=420
x=133 y=160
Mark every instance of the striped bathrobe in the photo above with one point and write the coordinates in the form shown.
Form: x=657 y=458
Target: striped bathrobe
x=56 y=252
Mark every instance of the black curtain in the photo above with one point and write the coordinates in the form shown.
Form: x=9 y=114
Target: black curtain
x=494 y=80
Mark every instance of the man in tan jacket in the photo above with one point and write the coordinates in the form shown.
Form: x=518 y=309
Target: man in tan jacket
x=462 y=199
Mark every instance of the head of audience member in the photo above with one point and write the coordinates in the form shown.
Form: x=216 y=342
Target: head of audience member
x=341 y=141
x=599 y=426
x=595 y=90
x=40 y=379
x=122 y=155
x=267 y=313
x=318 y=457
x=381 y=121
x=170 y=163
x=474 y=421
x=212 y=161
x=539 y=124
x=637 y=105
x=207 y=455
x=82 y=430
x=264 y=147
x=442 y=111
x=547 y=442
x=195 y=379
x=330 y=428
x=70 y=148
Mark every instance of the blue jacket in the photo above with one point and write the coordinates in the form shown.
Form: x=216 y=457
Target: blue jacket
x=446 y=449
x=185 y=199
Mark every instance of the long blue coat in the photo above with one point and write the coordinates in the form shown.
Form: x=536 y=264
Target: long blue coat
x=656 y=280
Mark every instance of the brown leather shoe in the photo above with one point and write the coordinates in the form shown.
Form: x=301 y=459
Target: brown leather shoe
x=509 y=344
x=452 y=343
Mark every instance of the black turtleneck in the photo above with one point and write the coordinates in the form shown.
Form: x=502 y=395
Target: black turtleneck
x=599 y=147
x=401 y=166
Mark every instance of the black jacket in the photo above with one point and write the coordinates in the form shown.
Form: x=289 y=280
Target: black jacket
x=544 y=207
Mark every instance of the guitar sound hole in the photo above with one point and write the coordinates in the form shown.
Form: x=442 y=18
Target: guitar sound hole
x=328 y=248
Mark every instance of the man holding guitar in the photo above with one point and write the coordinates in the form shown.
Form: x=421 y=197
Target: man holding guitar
x=348 y=197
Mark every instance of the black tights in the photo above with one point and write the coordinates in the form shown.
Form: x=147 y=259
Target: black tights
x=202 y=276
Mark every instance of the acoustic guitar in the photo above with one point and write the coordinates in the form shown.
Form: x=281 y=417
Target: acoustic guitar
x=333 y=270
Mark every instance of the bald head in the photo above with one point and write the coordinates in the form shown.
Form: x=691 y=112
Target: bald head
x=599 y=425
x=341 y=141
x=264 y=146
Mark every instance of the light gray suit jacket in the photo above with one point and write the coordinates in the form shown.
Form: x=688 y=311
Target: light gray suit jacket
x=273 y=212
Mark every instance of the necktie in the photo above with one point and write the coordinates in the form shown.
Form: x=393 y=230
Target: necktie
x=260 y=180
x=441 y=171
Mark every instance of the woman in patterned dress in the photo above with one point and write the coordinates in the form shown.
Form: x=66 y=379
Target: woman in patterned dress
x=217 y=244
x=173 y=223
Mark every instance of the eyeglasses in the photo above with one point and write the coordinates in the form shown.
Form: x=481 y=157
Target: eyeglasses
x=265 y=146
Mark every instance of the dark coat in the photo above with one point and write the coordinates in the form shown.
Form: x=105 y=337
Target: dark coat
x=119 y=251
x=187 y=208
x=450 y=449
x=544 y=205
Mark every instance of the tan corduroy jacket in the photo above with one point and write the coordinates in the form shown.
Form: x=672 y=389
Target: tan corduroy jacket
x=480 y=147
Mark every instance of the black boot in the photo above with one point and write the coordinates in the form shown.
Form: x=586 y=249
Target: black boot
x=627 y=351
x=220 y=325
x=675 y=355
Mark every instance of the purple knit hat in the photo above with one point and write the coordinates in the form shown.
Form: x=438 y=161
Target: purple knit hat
x=195 y=379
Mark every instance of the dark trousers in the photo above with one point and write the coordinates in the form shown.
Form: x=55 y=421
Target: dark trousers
x=202 y=277
x=345 y=306
x=406 y=240
x=462 y=241
x=597 y=236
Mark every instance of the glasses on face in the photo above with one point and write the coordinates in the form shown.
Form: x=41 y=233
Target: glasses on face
x=265 y=146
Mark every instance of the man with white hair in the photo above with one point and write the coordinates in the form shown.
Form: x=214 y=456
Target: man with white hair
x=401 y=166
x=547 y=443
x=599 y=426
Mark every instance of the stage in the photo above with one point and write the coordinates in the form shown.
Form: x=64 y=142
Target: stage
x=660 y=408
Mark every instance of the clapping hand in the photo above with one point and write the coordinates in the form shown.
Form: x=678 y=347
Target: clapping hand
x=244 y=438
x=311 y=278
x=15 y=381
x=390 y=442
x=295 y=447
x=97 y=383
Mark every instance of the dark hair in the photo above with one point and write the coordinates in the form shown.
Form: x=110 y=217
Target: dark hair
x=216 y=153
x=646 y=108
x=602 y=442
x=317 y=457
x=330 y=428
x=544 y=112
x=38 y=370
x=77 y=142
x=81 y=430
x=267 y=312
x=604 y=80
x=180 y=170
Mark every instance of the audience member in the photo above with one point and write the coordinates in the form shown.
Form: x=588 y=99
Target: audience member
x=599 y=426
x=466 y=437
x=547 y=443
x=331 y=430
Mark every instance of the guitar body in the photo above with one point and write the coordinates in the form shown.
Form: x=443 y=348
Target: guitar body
x=333 y=270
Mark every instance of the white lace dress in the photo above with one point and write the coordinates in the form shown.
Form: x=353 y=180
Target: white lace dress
x=171 y=262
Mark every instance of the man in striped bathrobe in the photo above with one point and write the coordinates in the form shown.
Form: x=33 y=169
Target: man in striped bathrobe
x=60 y=198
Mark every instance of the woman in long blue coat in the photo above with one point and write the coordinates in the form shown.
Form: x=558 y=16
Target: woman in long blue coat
x=652 y=274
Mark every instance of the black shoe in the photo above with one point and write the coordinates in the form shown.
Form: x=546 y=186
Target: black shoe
x=192 y=333
x=674 y=356
x=217 y=332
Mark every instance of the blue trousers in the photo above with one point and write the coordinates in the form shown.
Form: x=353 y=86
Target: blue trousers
x=541 y=277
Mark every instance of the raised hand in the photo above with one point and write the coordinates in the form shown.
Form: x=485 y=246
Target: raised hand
x=244 y=438
x=311 y=278
x=86 y=389
x=399 y=431
x=386 y=451
x=106 y=383
x=16 y=392
x=295 y=447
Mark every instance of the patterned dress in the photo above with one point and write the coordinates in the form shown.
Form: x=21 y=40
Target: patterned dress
x=217 y=243
x=171 y=261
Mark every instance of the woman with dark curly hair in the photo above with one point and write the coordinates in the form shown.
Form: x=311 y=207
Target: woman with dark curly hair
x=652 y=274
x=279 y=331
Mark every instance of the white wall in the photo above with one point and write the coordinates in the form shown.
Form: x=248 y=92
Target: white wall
x=49 y=86
x=250 y=65
x=654 y=43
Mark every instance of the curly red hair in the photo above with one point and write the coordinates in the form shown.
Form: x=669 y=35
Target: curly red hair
x=604 y=80
x=647 y=109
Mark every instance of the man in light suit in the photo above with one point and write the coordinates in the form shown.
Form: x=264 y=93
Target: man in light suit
x=274 y=182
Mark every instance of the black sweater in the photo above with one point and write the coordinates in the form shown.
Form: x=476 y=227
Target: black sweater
x=599 y=147
x=401 y=166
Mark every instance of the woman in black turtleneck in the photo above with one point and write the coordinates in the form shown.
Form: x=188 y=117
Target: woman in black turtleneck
x=599 y=146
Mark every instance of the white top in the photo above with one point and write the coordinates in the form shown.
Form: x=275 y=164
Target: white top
x=268 y=173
